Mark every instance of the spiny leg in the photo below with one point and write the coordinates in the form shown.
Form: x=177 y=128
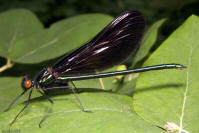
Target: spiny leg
x=58 y=87
x=49 y=108
x=77 y=97
x=23 y=108
x=14 y=101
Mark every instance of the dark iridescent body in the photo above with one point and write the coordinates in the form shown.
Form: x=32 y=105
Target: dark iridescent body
x=108 y=48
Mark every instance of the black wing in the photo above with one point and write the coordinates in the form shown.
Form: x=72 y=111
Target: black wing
x=108 y=48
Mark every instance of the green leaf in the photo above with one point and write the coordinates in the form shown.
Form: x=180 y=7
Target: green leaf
x=59 y=39
x=148 y=41
x=107 y=113
x=16 y=25
x=172 y=95
x=129 y=84
x=7 y=91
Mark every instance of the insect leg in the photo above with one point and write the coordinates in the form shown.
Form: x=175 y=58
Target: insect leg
x=77 y=97
x=46 y=113
x=27 y=102
x=56 y=87
x=14 y=101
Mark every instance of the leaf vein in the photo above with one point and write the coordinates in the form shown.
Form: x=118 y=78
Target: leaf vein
x=187 y=81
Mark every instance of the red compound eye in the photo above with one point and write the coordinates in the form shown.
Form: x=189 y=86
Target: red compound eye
x=27 y=84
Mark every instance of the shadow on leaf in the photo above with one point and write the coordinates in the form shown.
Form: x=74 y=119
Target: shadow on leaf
x=158 y=87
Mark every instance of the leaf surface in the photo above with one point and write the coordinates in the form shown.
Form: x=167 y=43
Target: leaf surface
x=172 y=95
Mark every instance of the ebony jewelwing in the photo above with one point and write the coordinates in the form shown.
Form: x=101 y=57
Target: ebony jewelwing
x=108 y=48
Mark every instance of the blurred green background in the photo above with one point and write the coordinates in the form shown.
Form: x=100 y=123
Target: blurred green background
x=50 y=11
